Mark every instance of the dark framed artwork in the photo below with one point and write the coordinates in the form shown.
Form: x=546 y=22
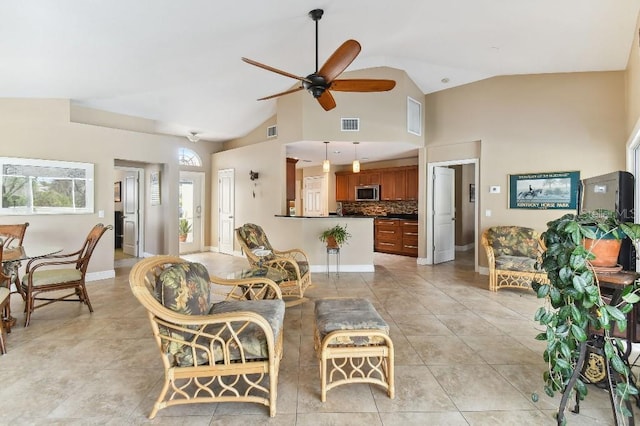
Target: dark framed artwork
x=117 y=192
x=472 y=192
x=541 y=191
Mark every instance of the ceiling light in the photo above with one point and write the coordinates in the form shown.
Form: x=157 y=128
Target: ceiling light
x=326 y=166
x=193 y=137
x=445 y=80
x=356 y=163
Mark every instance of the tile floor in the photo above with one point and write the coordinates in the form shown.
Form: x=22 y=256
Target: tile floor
x=464 y=356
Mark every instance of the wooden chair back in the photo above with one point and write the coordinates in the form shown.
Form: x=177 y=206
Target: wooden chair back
x=13 y=233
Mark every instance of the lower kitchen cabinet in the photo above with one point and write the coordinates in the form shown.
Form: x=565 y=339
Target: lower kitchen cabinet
x=396 y=236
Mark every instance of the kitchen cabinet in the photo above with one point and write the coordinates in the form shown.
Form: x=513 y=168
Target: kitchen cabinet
x=354 y=180
x=342 y=187
x=393 y=184
x=369 y=178
x=411 y=186
x=396 y=236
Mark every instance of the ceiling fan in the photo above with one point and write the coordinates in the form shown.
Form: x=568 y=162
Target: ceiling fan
x=320 y=82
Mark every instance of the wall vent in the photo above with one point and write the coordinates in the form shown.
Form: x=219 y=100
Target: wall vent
x=414 y=116
x=350 y=124
x=272 y=131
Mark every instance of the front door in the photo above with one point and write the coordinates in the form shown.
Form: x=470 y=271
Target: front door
x=226 y=204
x=444 y=225
x=190 y=204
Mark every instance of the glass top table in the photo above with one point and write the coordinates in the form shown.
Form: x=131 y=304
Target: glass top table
x=16 y=254
x=273 y=274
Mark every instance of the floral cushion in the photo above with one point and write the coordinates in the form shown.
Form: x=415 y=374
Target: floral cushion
x=184 y=288
x=514 y=241
x=291 y=271
x=254 y=237
x=517 y=263
x=349 y=314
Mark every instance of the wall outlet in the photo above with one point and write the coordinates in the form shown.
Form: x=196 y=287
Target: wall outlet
x=494 y=190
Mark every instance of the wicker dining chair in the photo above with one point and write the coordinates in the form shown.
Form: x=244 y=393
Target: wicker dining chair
x=5 y=306
x=45 y=275
x=13 y=236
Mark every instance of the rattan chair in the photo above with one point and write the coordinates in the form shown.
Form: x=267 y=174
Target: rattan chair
x=514 y=254
x=13 y=235
x=294 y=263
x=60 y=272
x=227 y=351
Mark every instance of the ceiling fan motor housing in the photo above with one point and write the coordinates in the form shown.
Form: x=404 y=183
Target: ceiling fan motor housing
x=317 y=85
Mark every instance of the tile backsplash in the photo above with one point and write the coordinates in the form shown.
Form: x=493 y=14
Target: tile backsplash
x=379 y=208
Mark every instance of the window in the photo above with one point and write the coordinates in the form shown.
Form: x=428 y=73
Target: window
x=414 y=116
x=189 y=158
x=31 y=186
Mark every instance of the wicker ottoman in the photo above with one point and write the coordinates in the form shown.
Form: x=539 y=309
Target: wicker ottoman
x=352 y=344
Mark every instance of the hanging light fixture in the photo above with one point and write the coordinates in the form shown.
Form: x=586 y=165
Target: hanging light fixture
x=326 y=166
x=193 y=137
x=356 y=163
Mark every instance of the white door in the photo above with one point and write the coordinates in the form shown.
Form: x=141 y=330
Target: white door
x=444 y=225
x=130 y=214
x=190 y=196
x=313 y=186
x=226 y=207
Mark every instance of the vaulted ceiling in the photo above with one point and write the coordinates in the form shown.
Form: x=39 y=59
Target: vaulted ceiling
x=178 y=62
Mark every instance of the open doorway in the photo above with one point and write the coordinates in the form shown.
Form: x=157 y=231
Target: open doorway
x=190 y=196
x=128 y=220
x=460 y=233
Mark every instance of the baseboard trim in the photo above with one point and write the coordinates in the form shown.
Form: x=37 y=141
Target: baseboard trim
x=343 y=268
x=101 y=275
x=465 y=247
x=483 y=270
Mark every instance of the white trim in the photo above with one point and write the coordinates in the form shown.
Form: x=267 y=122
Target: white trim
x=423 y=261
x=343 y=268
x=101 y=275
x=483 y=270
x=465 y=247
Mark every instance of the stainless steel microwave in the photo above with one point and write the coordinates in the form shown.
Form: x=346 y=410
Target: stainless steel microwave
x=368 y=193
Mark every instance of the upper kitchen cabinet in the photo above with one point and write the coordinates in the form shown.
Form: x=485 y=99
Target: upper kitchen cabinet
x=411 y=189
x=396 y=183
x=393 y=184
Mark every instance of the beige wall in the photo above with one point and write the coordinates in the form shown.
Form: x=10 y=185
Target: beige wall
x=530 y=123
x=44 y=129
x=632 y=81
x=464 y=208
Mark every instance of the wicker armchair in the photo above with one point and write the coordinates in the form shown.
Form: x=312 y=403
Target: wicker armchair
x=514 y=254
x=227 y=351
x=294 y=262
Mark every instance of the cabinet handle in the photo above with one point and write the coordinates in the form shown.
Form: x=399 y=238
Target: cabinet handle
x=410 y=233
x=386 y=232
x=387 y=244
x=412 y=247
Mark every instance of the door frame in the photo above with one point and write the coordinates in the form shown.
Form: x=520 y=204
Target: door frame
x=141 y=195
x=429 y=240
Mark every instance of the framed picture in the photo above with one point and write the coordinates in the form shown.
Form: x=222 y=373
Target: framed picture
x=540 y=191
x=117 y=192
x=472 y=192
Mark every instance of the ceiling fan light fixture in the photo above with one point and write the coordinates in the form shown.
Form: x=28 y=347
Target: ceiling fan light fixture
x=193 y=137
x=356 y=163
x=326 y=166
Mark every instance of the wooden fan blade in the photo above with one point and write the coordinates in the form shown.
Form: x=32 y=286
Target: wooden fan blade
x=340 y=60
x=281 y=93
x=326 y=100
x=362 y=85
x=277 y=71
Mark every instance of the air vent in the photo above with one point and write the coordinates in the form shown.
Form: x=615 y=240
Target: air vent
x=414 y=116
x=350 y=124
x=272 y=131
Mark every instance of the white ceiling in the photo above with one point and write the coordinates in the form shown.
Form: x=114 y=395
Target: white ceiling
x=178 y=62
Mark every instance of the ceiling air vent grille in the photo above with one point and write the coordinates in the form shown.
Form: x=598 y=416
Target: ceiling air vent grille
x=272 y=131
x=350 y=124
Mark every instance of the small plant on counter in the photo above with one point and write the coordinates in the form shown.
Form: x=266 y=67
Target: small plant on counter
x=336 y=236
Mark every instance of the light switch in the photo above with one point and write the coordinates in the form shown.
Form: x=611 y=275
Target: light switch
x=494 y=190
x=100 y=213
x=487 y=213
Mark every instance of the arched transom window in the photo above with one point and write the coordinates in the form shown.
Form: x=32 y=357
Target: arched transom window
x=189 y=158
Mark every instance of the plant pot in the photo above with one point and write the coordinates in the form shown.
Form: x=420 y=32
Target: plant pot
x=606 y=251
x=182 y=238
x=331 y=242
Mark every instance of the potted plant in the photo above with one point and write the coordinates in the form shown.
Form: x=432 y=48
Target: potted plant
x=335 y=237
x=184 y=227
x=574 y=305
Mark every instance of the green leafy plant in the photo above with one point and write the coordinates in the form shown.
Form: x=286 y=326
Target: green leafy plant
x=574 y=304
x=184 y=227
x=338 y=232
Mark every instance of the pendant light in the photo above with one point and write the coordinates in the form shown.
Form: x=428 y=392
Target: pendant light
x=326 y=166
x=356 y=163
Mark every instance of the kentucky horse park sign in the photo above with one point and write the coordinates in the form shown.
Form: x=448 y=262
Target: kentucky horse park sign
x=555 y=190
